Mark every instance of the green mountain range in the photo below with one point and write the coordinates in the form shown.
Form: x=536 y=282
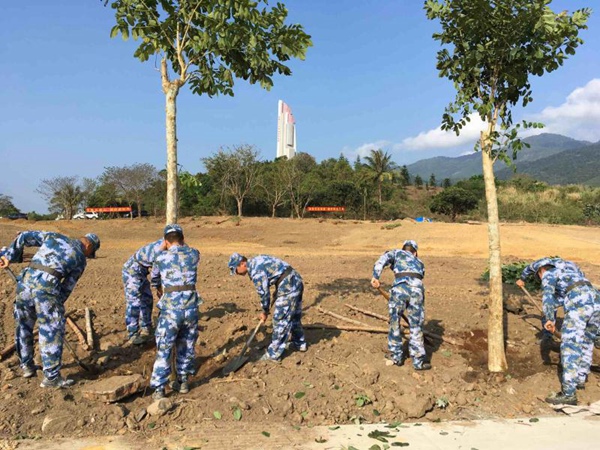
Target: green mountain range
x=552 y=158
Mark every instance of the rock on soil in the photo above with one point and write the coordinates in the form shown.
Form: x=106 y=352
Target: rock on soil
x=414 y=406
x=114 y=388
x=160 y=407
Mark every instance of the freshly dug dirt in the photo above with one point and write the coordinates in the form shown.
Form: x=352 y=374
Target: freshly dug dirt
x=343 y=377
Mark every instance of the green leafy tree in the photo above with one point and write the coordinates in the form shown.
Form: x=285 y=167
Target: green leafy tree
x=453 y=201
x=271 y=184
x=207 y=44
x=381 y=165
x=130 y=183
x=301 y=184
x=418 y=181
x=432 y=180
x=404 y=176
x=6 y=206
x=235 y=171
x=65 y=195
x=491 y=49
x=446 y=183
x=190 y=191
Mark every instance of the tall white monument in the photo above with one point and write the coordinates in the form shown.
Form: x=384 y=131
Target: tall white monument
x=286 y=131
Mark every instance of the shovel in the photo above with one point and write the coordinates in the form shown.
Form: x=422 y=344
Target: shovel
x=67 y=344
x=238 y=362
x=556 y=333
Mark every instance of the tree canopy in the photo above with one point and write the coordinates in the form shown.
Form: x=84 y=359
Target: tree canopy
x=208 y=44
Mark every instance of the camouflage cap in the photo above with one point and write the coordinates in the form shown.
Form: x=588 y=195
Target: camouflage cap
x=537 y=265
x=95 y=240
x=234 y=262
x=412 y=244
x=173 y=228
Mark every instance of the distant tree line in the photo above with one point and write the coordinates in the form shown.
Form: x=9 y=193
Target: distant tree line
x=238 y=182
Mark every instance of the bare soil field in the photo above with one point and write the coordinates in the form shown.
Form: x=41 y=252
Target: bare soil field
x=343 y=377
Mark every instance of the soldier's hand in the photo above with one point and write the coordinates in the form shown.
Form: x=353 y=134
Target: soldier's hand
x=520 y=283
x=263 y=316
x=375 y=283
x=159 y=292
x=4 y=262
x=550 y=326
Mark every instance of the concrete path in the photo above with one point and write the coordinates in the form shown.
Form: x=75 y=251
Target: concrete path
x=546 y=433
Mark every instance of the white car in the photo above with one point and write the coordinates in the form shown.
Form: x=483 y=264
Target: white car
x=86 y=215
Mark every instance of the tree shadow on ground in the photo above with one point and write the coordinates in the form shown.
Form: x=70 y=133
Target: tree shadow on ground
x=233 y=346
x=349 y=288
x=223 y=309
x=342 y=287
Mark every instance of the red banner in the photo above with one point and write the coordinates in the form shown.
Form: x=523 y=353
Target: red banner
x=326 y=208
x=109 y=209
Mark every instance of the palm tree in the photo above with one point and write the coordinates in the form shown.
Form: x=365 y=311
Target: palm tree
x=381 y=164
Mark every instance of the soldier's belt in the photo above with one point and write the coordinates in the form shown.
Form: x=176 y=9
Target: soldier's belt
x=285 y=273
x=576 y=284
x=408 y=275
x=49 y=270
x=186 y=287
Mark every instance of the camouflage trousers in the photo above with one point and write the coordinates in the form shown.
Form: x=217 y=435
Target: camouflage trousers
x=287 y=316
x=138 y=297
x=579 y=330
x=175 y=329
x=410 y=299
x=50 y=315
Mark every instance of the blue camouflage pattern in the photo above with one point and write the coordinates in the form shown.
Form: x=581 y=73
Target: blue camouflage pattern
x=41 y=296
x=581 y=323
x=407 y=294
x=175 y=329
x=178 y=320
x=138 y=295
x=567 y=267
x=264 y=271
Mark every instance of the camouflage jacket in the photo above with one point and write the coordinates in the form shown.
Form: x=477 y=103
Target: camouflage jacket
x=178 y=268
x=57 y=252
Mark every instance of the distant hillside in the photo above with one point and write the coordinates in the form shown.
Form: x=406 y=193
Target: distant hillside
x=577 y=166
x=541 y=146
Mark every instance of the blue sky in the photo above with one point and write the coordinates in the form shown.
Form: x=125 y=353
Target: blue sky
x=75 y=101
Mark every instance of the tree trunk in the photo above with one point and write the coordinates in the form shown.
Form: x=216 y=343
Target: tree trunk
x=139 y=208
x=365 y=204
x=240 y=202
x=273 y=210
x=171 y=89
x=496 y=354
x=379 y=185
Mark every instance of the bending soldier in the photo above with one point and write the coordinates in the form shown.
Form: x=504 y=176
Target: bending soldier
x=266 y=271
x=564 y=284
x=407 y=294
x=138 y=295
x=42 y=289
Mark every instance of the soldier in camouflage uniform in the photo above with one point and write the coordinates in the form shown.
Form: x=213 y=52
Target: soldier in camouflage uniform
x=138 y=295
x=266 y=271
x=178 y=320
x=564 y=284
x=407 y=294
x=42 y=289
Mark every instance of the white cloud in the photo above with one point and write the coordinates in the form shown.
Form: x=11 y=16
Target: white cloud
x=578 y=117
x=437 y=138
x=365 y=149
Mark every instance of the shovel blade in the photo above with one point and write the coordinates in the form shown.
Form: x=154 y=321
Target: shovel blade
x=235 y=365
